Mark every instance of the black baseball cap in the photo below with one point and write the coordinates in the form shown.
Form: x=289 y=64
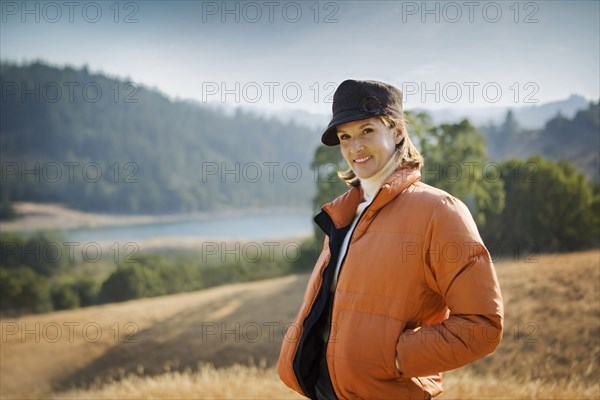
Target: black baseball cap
x=355 y=100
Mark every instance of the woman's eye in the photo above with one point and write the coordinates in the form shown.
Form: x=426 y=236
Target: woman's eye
x=368 y=130
x=344 y=137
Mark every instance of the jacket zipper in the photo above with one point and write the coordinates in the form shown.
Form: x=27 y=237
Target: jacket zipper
x=330 y=311
x=350 y=241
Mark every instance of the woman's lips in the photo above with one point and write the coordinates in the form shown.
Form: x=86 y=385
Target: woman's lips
x=362 y=160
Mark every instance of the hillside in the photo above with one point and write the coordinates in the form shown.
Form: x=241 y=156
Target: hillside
x=98 y=143
x=550 y=347
x=166 y=334
x=574 y=139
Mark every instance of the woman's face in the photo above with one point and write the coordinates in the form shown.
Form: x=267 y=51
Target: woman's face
x=367 y=145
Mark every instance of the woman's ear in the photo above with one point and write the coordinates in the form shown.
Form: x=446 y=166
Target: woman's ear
x=398 y=136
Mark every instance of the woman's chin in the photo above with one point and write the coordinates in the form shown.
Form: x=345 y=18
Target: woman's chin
x=363 y=174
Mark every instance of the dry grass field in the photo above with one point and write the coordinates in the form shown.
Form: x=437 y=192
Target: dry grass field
x=222 y=343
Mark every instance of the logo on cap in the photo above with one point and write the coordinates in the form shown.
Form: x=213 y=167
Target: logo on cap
x=371 y=105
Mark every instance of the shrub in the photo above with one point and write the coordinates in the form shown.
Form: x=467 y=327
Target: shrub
x=22 y=290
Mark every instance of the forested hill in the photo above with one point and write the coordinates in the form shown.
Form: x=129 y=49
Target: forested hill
x=574 y=139
x=98 y=143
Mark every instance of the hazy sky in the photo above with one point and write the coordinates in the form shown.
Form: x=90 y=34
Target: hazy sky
x=292 y=54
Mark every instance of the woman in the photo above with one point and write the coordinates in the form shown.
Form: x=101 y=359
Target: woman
x=404 y=288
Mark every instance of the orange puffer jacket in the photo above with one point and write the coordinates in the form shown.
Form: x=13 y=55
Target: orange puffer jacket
x=417 y=295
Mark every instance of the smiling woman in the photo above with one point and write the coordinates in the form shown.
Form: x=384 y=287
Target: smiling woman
x=404 y=288
x=367 y=145
x=385 y=134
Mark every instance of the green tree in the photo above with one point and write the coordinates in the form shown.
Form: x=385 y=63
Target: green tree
x=456 y=162
x=419 y=126
x=88 y=290
x=22 y=290
x=131 y=281
x=64 y=295
x=180 y=278
x=550 y=206
x=44 y=252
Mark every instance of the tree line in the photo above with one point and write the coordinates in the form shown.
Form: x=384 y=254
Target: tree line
x=37 y=275
x=521 y=206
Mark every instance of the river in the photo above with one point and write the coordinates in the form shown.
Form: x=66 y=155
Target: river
x=261 y=226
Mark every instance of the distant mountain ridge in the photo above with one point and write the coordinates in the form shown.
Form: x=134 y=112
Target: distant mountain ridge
x=574 y=139
x=529 y=117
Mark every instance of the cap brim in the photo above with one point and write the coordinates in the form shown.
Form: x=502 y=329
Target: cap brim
x=329 y=137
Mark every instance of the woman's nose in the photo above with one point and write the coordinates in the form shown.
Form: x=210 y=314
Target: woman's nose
x=357 y=145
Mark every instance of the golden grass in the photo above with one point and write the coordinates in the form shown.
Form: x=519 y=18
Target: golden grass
x=552 y=319
x=243 y=382
x=550 y=349
x=167 y=335
x=464 y=385
x=234 y=382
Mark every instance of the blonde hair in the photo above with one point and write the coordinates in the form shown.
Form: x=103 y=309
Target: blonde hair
x=406 y=154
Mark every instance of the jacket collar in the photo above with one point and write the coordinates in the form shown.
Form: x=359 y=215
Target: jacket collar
x=342 y=210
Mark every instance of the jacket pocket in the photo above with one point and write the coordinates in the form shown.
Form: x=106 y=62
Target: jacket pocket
x=364 y=345
x=398 y=362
